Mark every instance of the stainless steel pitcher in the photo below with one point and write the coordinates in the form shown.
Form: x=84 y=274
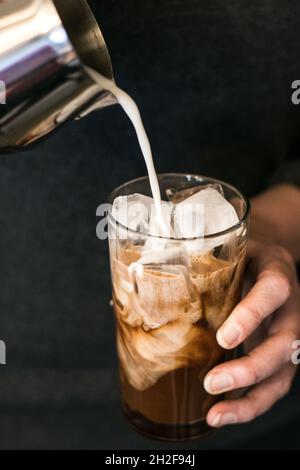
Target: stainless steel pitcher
x=43 y=46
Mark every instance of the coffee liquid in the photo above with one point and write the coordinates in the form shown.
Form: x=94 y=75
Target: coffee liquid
x=163 y=367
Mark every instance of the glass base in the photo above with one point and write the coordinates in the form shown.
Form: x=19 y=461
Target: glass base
x=166 y=432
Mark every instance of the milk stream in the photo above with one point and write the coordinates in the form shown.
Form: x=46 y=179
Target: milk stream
x=132 y=111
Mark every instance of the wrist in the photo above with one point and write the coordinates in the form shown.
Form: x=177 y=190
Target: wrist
x=275 y=218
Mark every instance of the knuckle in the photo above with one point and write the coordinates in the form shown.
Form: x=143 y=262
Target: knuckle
x=252 y=376
x=289 y=338
x=251 y=313
x=253 y=408
x=286 y=384
x=280 y=283
x=284 y=254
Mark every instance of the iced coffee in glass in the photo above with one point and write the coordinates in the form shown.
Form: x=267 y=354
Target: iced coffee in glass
x=172 y=289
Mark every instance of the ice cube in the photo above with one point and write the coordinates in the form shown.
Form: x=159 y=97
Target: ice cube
x=174 y=255
x=138 y=212
x=189 y=218
x=132 y=211
x=217 y=214
x=176 y=196
x=217 y=282
x=152 y=257
x=164 y=294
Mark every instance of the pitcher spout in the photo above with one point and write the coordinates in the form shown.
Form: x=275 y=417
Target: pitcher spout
x=44 y=46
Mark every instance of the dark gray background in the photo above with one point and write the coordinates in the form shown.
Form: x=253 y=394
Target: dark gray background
x=213 y=79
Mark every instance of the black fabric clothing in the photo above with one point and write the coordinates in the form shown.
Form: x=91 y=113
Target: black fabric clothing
x=213 y=81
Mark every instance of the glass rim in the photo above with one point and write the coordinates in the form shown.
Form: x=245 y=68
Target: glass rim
x=231 y=229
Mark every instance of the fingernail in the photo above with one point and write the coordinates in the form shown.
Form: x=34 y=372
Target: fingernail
x=223 y=419
x=216 y=420
x=218 y=382
x=228 y=335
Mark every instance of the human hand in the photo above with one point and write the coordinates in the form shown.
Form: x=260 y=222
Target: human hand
x=268 y=321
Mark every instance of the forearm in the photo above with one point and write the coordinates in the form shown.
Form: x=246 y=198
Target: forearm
x=276 y=217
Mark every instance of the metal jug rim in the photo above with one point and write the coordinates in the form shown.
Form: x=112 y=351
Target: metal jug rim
x=85 y=35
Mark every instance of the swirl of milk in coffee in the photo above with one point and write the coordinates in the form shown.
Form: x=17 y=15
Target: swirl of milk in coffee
x=159 y=310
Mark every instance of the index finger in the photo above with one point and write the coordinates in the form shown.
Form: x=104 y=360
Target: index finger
x=274 y=283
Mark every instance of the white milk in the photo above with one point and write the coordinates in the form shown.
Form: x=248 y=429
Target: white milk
x=134 y=115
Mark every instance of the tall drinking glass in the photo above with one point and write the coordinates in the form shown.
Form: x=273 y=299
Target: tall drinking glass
x=170 y=295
